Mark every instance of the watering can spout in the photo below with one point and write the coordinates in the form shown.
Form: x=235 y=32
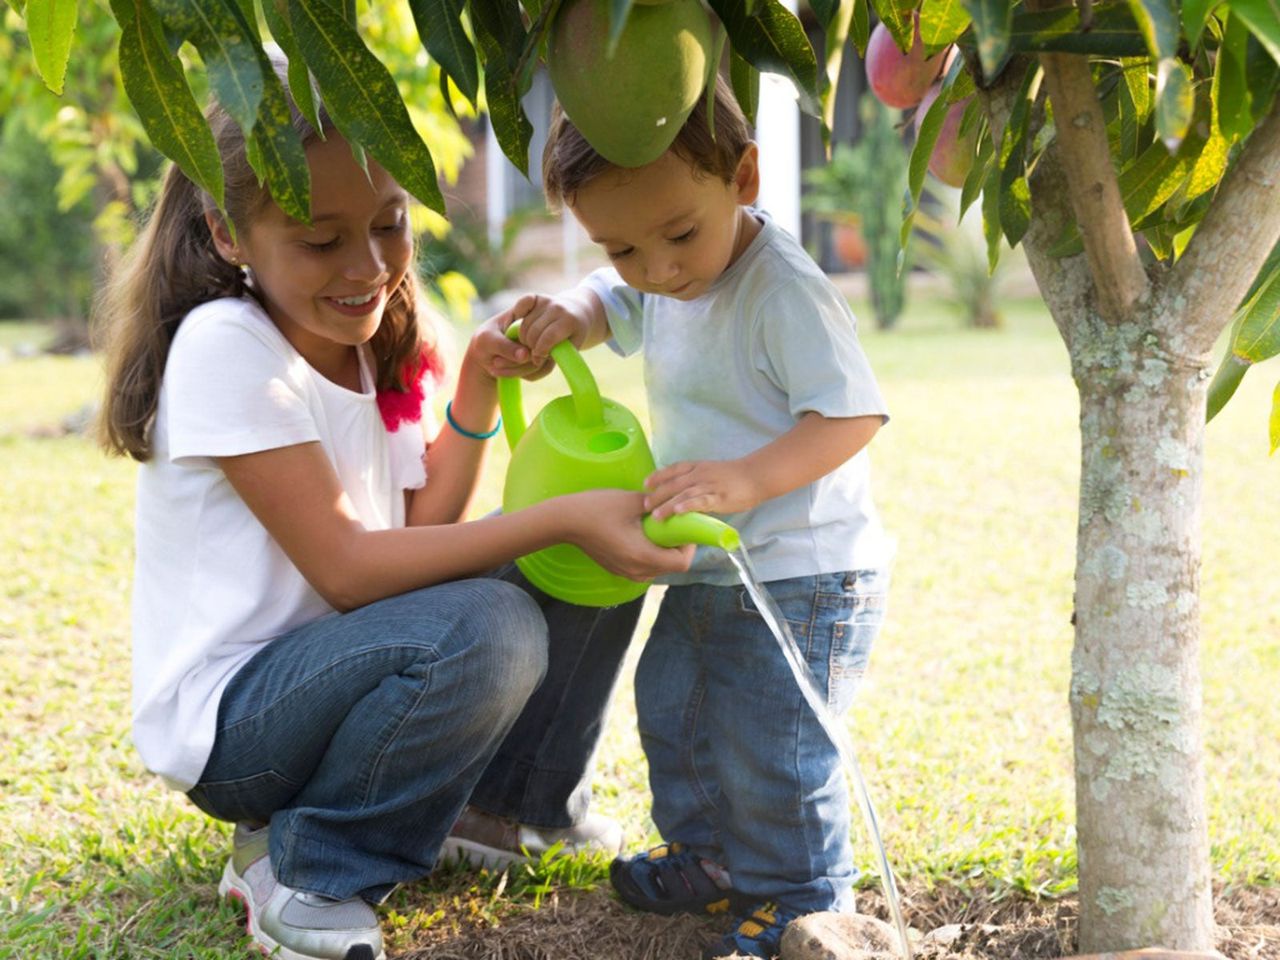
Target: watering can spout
x=698 y=528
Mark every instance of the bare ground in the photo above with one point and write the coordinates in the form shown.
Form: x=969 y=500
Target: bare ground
x=594 y=926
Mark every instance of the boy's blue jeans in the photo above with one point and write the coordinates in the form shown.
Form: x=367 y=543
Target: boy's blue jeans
x=360 y=737
x=741 y=770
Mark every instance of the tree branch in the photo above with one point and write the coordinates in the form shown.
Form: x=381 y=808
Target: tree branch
x=1229 y=247
x=1064 y=282
x=1081 y=135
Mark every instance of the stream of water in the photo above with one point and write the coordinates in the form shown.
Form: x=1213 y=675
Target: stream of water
x=836 y=730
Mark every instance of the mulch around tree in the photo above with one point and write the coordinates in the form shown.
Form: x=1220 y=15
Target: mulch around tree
x=595 y=926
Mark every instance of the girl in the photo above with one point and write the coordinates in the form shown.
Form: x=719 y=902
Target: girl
x=308 y=659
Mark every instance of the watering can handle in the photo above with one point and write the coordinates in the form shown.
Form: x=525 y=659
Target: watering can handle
x=582 y=385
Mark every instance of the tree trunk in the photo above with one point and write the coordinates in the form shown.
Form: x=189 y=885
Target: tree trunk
x=1135 y=692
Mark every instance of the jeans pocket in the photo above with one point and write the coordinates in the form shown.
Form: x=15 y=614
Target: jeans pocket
x=853 y=634
x=254 y=798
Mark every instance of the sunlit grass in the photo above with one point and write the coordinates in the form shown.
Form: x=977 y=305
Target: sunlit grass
x=962 y=727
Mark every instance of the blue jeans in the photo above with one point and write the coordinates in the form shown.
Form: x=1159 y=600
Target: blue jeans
x=740 y=768
x=360 y=737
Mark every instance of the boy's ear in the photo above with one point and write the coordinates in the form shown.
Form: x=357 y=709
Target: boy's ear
x=223 y=242
x=746 y=179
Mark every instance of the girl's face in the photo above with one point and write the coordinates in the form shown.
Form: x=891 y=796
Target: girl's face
x=326 y=285
x=667 y=230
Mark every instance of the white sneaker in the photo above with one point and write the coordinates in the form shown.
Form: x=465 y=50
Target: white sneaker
x=486 y=840
x=289 y=924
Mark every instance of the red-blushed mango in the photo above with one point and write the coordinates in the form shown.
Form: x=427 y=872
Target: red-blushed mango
x=952 y=156
x=630 y=106
x=900 y=79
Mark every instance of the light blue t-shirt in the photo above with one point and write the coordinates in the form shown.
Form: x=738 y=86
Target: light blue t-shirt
x=733 y=370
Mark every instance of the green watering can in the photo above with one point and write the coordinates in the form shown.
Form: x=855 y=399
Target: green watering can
x=584 y=442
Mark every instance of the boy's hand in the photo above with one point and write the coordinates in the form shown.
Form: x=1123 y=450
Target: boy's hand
x=707 y=486
x=546 y=321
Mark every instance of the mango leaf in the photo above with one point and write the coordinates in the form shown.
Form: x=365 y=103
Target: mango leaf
x=825 y=11
x=1263 y=75
x=158 y=90
x=283 y=159
x=230 y=55
x=746 y=85
x=1195 y=14
x=439 y=24
x=899 y=19
x=772 y=40
x=1015 y=192
x=860 y=28
x=1151 y=180
x=1175 y=101
x=1135 y=105
x=1255 y=334
x=991 y=217
x=1275 y=419
x=941 y=23
x=501 y=42
x=1161 y=29
x=50 y=26
x=362 y=97
x=977 y=175
x=1231 y=81
x=1263 y=20
x=17 y=6
x=276 y=13
x=956 y=85
x=1113 y=33
x=719 y=38
x=992 y=26
x=837 y=33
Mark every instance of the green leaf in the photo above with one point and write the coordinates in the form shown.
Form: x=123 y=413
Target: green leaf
x=276 y=13
x=1257 y=337
x=1231 y=81
x=1225 y=383
x=956 y=84
x=1160 y=26
x=1195 y=14
x=1175 y=101
x=978 y=172
x=825 y=11
x=941 y=23
x=709 y=96
x=158 y=90
x=860 y=29
x=1151 y=180
x=1274 y=430
x=1263 y=20
x=363 y=99
x=746 y=85
x=992 y=25
x=282 y=157
x=1113 y=33
x=439 y=24
x=1135 y=105
x=501 y=41
x=991 y=217
x=1015 y=192
x=230 y=54
x=50 y=26
x=772 y=40
x=900 y=19
x=837 y=33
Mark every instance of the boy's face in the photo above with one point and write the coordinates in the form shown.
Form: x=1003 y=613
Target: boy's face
x=668 y=229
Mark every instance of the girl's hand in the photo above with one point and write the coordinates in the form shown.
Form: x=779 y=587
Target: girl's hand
x=707 y=486
x=607 y=527
x=498 y=355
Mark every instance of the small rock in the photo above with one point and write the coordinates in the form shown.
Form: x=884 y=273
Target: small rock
x=838 y=936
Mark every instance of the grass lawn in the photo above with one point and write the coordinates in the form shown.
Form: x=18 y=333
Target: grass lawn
x=962 y=726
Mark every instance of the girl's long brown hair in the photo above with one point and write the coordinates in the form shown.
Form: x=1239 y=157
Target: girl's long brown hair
x=174 y=267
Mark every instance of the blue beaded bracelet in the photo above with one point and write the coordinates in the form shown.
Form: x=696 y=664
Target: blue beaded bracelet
x=448 y=415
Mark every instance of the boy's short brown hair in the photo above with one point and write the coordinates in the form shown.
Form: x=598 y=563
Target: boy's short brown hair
x=569 y=162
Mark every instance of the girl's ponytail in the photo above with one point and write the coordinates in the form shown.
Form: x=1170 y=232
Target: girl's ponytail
x=172 y=268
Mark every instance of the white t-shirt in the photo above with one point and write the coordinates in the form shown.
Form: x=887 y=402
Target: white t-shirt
x=211 y=587
x=733 y=370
